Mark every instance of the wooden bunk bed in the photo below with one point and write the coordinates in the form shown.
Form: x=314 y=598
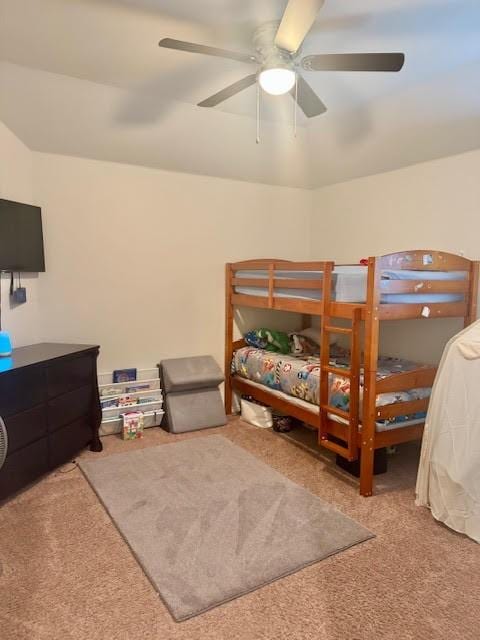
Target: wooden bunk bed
x=357 y=432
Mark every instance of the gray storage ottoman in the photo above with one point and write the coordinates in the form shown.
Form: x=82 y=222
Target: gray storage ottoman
x=192 y=397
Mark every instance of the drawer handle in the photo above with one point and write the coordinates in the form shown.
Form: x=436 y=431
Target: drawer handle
x=3 y=442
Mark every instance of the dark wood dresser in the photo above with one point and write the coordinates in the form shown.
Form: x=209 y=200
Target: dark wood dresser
x=50 y=407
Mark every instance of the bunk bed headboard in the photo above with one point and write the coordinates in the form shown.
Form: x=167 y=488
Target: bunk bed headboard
x=425 y=260
x=463 y=291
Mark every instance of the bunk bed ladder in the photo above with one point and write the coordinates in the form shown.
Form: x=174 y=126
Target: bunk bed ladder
x=353 y=374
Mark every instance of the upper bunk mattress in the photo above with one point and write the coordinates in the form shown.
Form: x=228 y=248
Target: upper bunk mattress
x=349 y=284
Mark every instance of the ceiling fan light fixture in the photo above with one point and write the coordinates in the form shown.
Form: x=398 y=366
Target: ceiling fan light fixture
x=277 y=80
x=277 y=45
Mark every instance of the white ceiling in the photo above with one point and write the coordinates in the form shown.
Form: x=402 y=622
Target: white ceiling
x=86 y=77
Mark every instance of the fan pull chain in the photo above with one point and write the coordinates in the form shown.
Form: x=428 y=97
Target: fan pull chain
x=258 y=113
x=295 y=107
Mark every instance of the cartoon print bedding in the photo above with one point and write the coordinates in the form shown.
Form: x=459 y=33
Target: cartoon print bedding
x=300 y=377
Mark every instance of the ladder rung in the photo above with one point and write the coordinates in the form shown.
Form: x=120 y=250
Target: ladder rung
x=345 y=373
x=337 y=448
x=336 y=411
x=332 y=329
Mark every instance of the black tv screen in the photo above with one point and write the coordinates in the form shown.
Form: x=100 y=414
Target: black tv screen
x=21 y=237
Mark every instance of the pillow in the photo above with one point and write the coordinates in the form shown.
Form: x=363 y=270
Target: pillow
x=311 y=334
x=300 y=345
x=268 y=339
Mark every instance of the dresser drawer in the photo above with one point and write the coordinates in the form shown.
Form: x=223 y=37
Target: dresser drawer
x=23 y=466
x=21 y=390
x=70 y=374
x=26 y=427
x=65 y=443
x=69 y=407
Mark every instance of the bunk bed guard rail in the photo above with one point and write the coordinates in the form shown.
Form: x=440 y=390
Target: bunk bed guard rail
x=267 y=279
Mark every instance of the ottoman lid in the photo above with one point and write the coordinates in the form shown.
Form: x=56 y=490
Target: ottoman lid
x=183 y=374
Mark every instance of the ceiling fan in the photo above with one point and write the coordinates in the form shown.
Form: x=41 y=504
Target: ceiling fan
x=277 y=50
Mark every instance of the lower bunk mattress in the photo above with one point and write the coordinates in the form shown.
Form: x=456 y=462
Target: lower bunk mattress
x=299 y=378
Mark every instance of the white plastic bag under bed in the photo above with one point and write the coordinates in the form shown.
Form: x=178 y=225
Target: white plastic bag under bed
x=256 y=414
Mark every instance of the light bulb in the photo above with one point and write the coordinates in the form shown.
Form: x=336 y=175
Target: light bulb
x=277 y=80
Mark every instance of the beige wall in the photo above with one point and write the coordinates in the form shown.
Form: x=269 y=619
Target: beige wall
x=135 y=256
x=16 y=183
x=123 y=244
x=434 y=205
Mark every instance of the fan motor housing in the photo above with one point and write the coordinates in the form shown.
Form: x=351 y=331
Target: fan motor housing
x=269 y=53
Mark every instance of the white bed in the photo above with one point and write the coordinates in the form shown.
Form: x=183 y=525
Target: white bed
x=350 y=285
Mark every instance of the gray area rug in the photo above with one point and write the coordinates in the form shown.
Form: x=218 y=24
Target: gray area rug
x=209 y=522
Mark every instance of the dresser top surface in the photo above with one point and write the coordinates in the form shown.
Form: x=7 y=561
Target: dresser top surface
x=39 y=353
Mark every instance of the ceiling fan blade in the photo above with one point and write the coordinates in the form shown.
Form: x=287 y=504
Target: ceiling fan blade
x=181 y=45
x=297 y=19
x=354 y=62
x=229 y=91
x=307 y=99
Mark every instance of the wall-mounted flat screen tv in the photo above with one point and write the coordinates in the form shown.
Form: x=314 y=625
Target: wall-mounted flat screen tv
x=21 y=237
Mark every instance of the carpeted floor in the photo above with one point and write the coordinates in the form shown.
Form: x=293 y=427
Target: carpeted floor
x=210 y=522
x=66 y=573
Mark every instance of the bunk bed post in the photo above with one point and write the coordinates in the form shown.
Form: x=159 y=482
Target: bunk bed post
x=228 y=338
x=372 y=330
x=472 y=294
x=324 y=353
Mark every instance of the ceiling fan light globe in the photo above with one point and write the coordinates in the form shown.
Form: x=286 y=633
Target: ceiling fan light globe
x=277 y=80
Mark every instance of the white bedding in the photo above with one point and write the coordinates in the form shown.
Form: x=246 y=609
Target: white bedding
x=449 y=473
x=350 y=285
